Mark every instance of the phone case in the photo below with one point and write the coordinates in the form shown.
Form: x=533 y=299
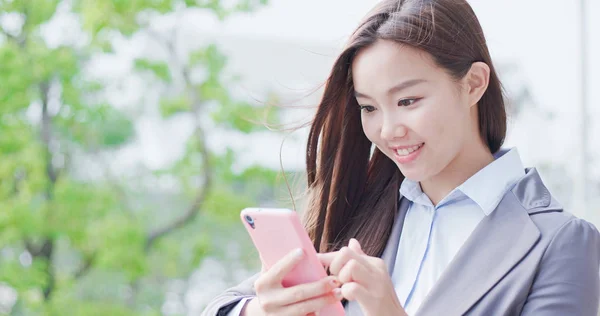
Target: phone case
x=275 y=233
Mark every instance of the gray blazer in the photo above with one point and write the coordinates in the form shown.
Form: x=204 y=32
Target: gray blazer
x=529 y=257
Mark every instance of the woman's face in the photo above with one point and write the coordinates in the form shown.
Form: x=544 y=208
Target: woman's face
x=412 y=110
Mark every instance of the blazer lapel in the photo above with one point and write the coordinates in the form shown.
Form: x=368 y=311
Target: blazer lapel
x=497 y=244
x=391 y=248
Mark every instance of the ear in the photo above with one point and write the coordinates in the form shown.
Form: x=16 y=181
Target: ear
x=476 y=81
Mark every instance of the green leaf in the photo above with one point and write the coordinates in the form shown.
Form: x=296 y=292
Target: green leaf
x=81 y=307
x=15 y=87
x=172 y=106
x=41 y=12
x=201 y=249
x=224 y=204
x=159 y=69
x=23 y=278
x=108 y=219
x=96 y=126
x=121 y=241
x=76 y=207
x=244 y=116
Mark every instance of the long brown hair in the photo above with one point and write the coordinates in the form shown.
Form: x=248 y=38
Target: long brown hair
x=353 y=189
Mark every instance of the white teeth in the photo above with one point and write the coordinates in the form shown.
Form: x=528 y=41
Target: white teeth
x=407 y=151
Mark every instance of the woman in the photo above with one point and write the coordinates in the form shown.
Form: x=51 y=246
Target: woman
x=437 y=219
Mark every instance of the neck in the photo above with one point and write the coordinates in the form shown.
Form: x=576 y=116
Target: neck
x=468 y=162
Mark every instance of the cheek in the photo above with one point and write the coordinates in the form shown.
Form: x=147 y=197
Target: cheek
x=370 y=128
x=430 y=124
x=442 y=124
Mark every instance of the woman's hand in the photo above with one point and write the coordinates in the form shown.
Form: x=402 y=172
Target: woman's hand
x=304 y=299
x=364 y=279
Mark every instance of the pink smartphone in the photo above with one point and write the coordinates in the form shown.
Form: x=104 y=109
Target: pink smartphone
x=276 y=232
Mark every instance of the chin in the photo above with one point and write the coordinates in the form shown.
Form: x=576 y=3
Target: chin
x=413 y=174
x=415 y=178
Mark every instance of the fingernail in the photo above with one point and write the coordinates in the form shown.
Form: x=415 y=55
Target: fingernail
x=334 y=282
x=337 y=293
x=298 y=252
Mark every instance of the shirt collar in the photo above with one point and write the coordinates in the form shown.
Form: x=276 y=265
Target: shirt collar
x=412 y=191
x=486 y=187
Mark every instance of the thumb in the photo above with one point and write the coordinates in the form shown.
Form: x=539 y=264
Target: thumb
x=355 y=245
x=263 y=267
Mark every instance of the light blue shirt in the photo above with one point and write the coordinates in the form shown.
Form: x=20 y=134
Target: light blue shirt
x=237 y=310
x=432 y=235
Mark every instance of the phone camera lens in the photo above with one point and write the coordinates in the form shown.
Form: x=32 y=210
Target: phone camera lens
x=249 y=220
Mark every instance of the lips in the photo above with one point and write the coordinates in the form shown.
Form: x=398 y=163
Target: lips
x=407 y=154
x=407 y=150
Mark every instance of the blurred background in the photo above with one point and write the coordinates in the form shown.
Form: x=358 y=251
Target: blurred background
x=132 y=132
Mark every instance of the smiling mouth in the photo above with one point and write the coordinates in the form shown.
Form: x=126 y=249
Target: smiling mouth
x=401 y=152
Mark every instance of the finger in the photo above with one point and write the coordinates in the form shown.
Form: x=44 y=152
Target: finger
x=327 y=258
x=263 y=268
x=302 y=292
x=354 y=271
x=355 y=292
x=282 y=267
x=345 y=255
x=312 y=305
x=355 y=245
x=377 y=264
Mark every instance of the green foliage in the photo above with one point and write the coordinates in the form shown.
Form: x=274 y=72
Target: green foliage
x=159 y=69
x=172 y=106
x=78 y=307
x=244 y=116
x=232 y=113
x=23 y=278
x=122 y=249
x=74 y=231
x=117 y=14
x=14 y=90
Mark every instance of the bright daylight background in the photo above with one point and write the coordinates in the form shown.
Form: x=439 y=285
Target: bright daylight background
x=127 y=147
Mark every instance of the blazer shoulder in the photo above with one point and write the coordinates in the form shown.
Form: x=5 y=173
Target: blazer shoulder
x=567 y=281
x=543 y=209
x=560 y=224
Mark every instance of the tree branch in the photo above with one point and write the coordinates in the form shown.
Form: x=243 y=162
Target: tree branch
x=47 y=138
x=207 y=178
x=85 y=268
x=192 y=210
x=46 y=252
x=48 y=246
x=31 y=248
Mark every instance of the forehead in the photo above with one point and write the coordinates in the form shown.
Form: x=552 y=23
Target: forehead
x=388 y=62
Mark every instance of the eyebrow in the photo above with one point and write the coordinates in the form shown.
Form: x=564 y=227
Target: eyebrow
x=394 y=89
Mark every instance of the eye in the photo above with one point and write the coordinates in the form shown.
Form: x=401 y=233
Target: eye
x=367 y=108
x=407 y=102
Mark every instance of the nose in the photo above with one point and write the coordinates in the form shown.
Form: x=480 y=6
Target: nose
x=392 y=129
